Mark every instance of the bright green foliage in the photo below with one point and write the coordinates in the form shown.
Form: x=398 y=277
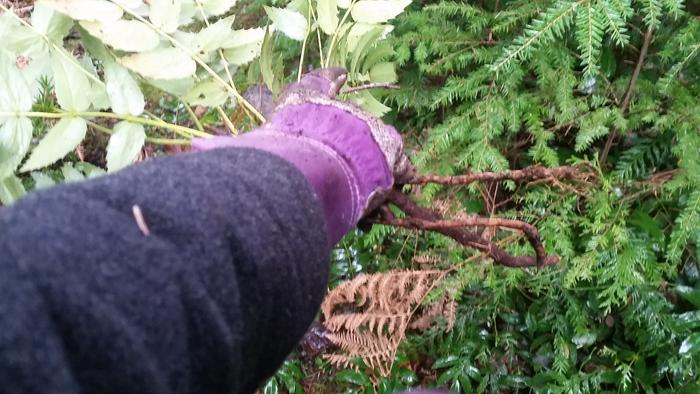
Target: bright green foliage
x=498 y=85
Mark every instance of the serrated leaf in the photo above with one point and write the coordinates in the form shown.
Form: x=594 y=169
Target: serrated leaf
x=290 y=23
x=177 y=87
x=216 y=7
x=165 y=14
x=61 y=139
x=41 y=180
x=370 y=104
x=15 y=136
x=124 y=145
x=377 y=11
x=11 y=189
x=91 y=10
x=125 y=35
x=15 y=95
x=52 y=24
x=383 y=73
x=124 y=93
x=327 y=15
x=243 y=45
x=207 y=93
x=165 y=63
x=70 y=174
x=212 y=37
x=691 y=344
x=70 y=82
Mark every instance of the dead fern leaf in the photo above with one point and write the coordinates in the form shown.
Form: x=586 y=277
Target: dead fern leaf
x=369 y=315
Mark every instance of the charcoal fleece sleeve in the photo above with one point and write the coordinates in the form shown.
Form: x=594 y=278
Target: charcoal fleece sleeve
x=228 y=280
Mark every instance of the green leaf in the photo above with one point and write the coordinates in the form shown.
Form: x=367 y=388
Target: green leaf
x=690 y=294
x=52 y=24
x=271 y=387
x=15 y=95
x=243 y=45
x=327 y=15
x=216 y=7
x=124 y=93
x=92 y=10
x=61 y=139
x=212 y=37
x=383 y=73
x=691 y=344
x=208 y=93
x=354 y=377
x=71 y=83
x=377 y=11
x=125 y=35
x=70 y=174
x=266 y=62
x=124 y=145
x=41 y=180
x=370 y=104
x=165 y=14
x=15 y=136
x=290 y=23
x=165 y=63
x=11 y=189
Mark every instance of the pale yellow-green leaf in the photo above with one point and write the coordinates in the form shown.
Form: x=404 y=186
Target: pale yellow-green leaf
x=216 y=7
x=177 y=87
x=124 y=145
x=377 y=11
x=383 y=73
x=289 y=22
x=123 y=91
x=97 y=94
x=91 y=10
x=369 y=103
x=164 y=63
x=71 y=174
x=358 y=30
x=266 y=62
x=70 y=82
x=344 y=4
x=300 y=6
x=208 y=93
x=245 y=37
x=243 y=45
x=63 y=137
x=50 y=23
x=41 y=180
x=11 y=189
x=125 y=35
x=327 y=15
x=15 y=95
x=15 y=136
x=211 y=37
x=165 y=14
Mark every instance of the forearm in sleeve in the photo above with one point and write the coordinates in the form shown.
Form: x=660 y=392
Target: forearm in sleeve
x=204 y=290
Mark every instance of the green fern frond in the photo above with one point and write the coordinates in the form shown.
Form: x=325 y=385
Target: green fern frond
x=615 y=23
x=546 y=28
x=643 y=158
x=687 y=228
x=652 y=13
x=589 y=34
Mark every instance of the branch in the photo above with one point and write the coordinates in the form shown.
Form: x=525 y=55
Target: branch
x=426 y=219
x=376 y=85
x=530 y=173
x=627 y=100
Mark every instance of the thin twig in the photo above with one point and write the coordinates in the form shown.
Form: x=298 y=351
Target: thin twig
x=627 y=100
x=375 y=85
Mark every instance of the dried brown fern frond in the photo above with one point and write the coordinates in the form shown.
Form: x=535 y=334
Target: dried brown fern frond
x=368 y=316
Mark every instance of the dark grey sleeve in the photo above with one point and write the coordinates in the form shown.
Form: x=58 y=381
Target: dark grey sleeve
x=228 y=280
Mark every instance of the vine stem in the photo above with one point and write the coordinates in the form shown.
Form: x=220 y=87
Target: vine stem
x=230 y=88
x=182 y=130
x=153 y=140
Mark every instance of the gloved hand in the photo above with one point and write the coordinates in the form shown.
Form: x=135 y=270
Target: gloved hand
x=350 y=158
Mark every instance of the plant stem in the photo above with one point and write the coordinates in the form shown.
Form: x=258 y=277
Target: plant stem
x=335 y=35
x=153 y=140
x=627 y=100
x=184 y=131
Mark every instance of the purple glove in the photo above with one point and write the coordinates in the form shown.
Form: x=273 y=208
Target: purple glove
x=349 y=157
